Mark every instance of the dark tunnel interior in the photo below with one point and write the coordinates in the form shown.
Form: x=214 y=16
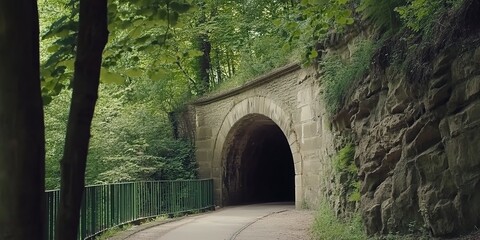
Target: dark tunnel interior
x=259 y=163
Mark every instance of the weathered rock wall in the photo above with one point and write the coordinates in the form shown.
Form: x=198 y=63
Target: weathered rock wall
x=418 y=146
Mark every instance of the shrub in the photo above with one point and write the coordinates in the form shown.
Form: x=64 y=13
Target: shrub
x=339 y=74
x=345 y=166
x=420 y=15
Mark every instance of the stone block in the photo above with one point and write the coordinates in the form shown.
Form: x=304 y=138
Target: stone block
x=310 y=180
x=310 y=144
x=199 y=120
x=204 y=144
x=304 y=97
x=298 y=168
x=203 y=156
x=217 y=172
x=313 y=165
x=298 y=181
x=204 y=133
x=306 y=113
x=204 y=172
x=309 y=130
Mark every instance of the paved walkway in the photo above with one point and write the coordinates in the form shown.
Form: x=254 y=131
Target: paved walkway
x=259 y=221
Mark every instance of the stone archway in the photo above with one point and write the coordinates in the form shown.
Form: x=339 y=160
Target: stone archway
x=257 y=163
x=265 y=115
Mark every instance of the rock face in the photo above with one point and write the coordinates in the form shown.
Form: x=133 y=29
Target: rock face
x=418 y=147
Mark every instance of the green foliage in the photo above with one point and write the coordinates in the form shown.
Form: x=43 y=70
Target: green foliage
x=381 y=13
x=56 y=116
x=345 y=166
x=311 y=20
x=138 y=29
x=420 y=15
x=339 y=74
x=131 y=138
x=132 y=131
x=265 y=54
x=343 y=162
x=327 y=226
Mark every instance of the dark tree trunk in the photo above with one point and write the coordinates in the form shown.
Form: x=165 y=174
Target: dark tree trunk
x=22 y=140
x=204 y=63
x=92 y=37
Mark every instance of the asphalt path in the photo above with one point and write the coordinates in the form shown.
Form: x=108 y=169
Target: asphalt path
x=239 y=222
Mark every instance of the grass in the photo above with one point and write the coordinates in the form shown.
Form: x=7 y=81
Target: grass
x=340 y=74
x=328 y=227
x=112 y=232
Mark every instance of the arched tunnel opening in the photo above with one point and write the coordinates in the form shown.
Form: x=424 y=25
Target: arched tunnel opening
x=258 y=163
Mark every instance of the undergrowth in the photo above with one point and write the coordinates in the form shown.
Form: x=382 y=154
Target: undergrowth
x=339 y=74
x=327 y=226
x=344 y=165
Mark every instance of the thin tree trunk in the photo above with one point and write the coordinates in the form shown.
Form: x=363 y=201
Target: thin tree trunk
x=92 y=37
x=227 y=58
x=218 y=67
x=22 y=139
x=204 y=63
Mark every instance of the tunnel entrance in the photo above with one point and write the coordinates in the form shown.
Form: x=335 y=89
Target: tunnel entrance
x=258 y=163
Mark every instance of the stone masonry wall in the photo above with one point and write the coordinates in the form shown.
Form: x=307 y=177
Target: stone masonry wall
x=290 y=97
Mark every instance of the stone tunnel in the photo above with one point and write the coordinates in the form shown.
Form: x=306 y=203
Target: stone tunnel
x=265 y=141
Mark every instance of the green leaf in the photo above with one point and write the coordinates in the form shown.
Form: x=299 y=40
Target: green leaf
x=195 y=53
x=109 y=77
x=313 y=54
x=68 y=63
x=53 y=48
x=134 y=72
x=159 y=74
x=169 y=58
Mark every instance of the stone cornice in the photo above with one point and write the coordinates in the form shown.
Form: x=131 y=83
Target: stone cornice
x=247 y=86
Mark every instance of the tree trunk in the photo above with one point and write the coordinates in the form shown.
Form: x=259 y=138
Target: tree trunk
x=22 y=140
x=92 y=37
x=204 y=63
x=218 y=67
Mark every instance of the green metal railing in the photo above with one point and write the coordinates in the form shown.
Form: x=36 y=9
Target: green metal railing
x=106 y=206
